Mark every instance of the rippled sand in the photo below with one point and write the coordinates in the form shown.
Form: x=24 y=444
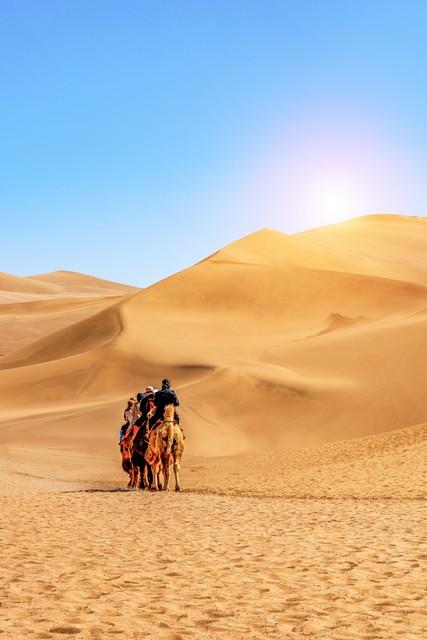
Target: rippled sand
x=95 y=562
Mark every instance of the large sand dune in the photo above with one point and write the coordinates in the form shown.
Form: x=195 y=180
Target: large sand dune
x=300 y=363
x=273 y=341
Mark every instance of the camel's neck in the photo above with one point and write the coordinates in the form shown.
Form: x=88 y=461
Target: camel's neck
x=169 y=412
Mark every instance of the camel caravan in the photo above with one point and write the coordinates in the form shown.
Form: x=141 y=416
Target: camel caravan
x=151 y=440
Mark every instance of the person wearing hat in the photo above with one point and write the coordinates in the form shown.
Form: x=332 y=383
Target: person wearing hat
x=163 y=397
x=145 y=403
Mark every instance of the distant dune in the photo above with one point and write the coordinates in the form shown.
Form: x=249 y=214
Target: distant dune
x=17 y=288
x=33 y=307
x=59 y=283
x=273 y=341
x=80 y=283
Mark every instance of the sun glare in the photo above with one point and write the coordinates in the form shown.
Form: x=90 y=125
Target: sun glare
x=331 y=201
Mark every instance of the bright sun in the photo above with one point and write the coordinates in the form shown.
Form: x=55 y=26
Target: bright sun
x=333 y=200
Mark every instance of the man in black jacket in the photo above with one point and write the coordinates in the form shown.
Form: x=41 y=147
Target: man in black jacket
x=163 y=397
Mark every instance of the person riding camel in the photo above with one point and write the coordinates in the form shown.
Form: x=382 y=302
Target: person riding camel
x=146 y=401
x=131 y=414
x=162 y=398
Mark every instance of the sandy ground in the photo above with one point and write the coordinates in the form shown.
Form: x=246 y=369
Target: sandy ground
x=133 y=565
x=332 y=547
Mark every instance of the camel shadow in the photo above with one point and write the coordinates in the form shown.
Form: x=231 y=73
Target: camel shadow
x=100 y=490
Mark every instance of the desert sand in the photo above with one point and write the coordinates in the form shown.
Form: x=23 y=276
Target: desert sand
x=300 y=364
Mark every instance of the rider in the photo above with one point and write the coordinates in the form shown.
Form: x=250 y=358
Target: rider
x=130 y=415
x=145 y=403
x=163 y=397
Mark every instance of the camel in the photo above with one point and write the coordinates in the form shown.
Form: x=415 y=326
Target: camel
x=133 y=448
x=127 y=464
x=165 y=447
x=138 y=448
x=130 y=416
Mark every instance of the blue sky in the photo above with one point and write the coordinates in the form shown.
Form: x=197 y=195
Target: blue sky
x=137 y=137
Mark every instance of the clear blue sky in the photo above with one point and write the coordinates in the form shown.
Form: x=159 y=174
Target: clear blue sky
x=139 y=136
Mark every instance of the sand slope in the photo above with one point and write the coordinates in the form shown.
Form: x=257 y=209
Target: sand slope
x=33 y=307
x=24 y=323
x=387 y=245
x=273 y=341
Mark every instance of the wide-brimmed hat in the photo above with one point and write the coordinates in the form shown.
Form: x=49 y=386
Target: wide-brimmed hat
x=149 y=388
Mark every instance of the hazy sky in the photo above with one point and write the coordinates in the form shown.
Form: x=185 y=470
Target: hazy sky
x=139 y=136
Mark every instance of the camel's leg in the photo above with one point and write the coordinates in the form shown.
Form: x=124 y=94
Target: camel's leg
x=161 y=470
x=134 y=476
x=144 y=476
x=154 y=483
x=176 y=469
x=149 y=475
x=140 y=473
x=140 y=477
x=166 y=474
x=155 y=469
x=177 y=452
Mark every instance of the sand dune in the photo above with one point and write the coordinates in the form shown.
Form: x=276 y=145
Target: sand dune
x=80 y=283
x=269 y=321
x=300 y=363
x=23 y=323
x=34 y=307
x=390 y=246
x=15 y=289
